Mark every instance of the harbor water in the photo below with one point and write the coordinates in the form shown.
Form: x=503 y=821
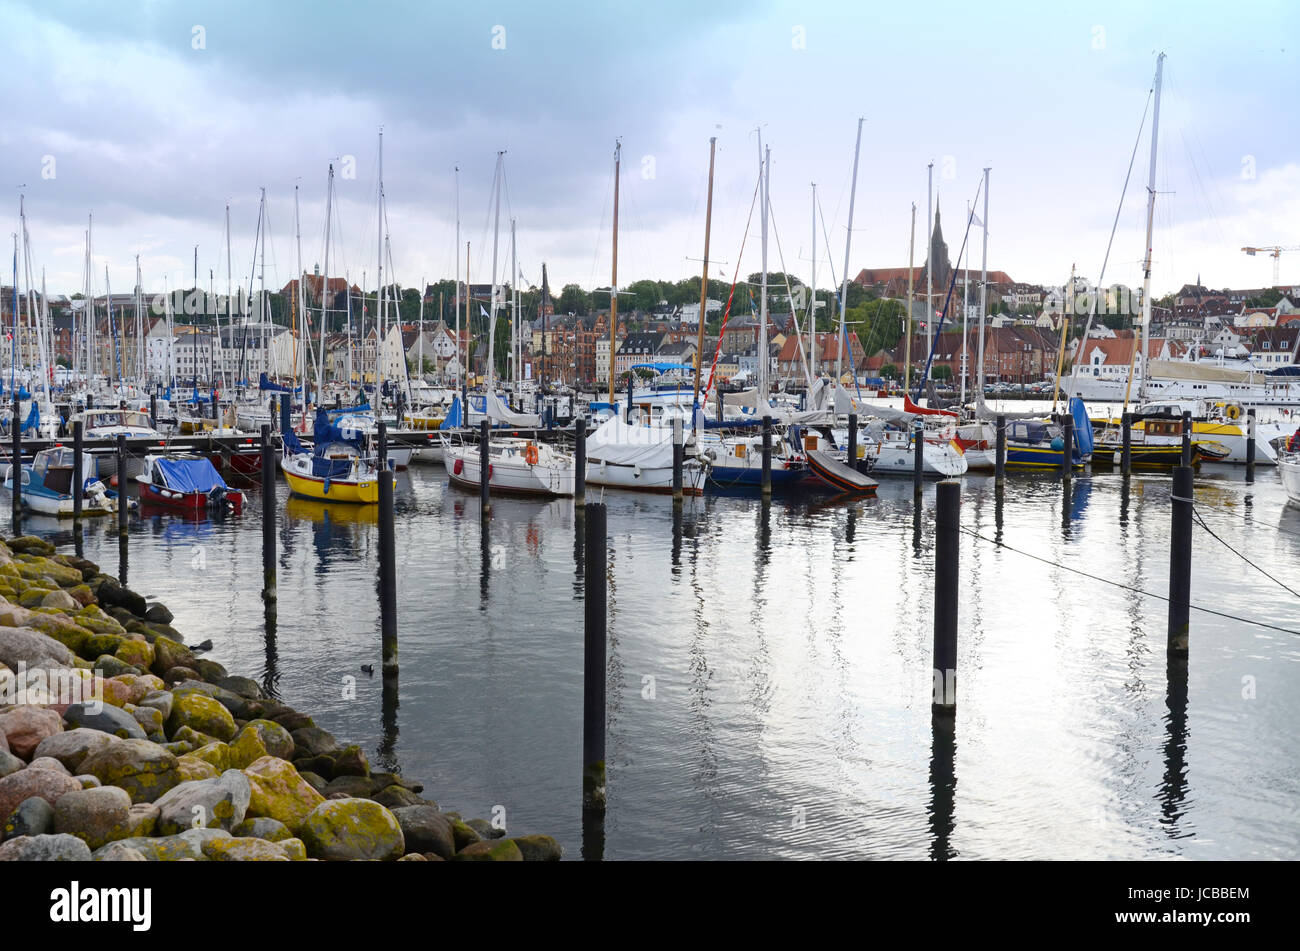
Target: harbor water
x=769 y=670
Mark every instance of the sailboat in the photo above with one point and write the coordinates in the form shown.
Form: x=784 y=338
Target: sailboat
x=336 y=469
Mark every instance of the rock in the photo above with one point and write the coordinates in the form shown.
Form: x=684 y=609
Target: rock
x=201 y=713
x=24 y=727
x=30 y=545
x=262 y=827
x=293 y=720
x=158 y=699
x=295 y=849
x=178 y=675
x=101 y=644
x=395 y=796
x=110 y=666
x=351 y=761
x=321 y=765
x=48 y=762
x=9 y=763
x=143 y=769
x=275 y=738
x=237 y=705
x=117 y=852
x=159 y=614
x=315 y=780
x=243 y=686
x=313 y=741
x=278 y=792
x=352 y=829
x=137 y=653
x=244 y=850
x=82 y=594
x=425 y=829
x=60 y=599
x=22 y=645
x=463 y=835
x=149 y=718
x=96 y=816
x=501 y=850
x=25 y=783
x=412 y=857
x=117 y=692
x=217 y=754
x=33 y=816
x=358 y=787
x=138 y=685
x=113 y=594
x=192 y=768
x=538 y=848
x=396 y=779
x=210 y=670
x=168 y=654
x=45 y=848
x=205 y=803
x=485 y=829
x=87 y=781
x=174 y=848
x=105 y=718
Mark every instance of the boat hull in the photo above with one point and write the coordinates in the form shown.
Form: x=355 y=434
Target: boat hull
x=637 y=479
x=518 y=478
x=363 y=492
x=186 y=501
x=1288 y=466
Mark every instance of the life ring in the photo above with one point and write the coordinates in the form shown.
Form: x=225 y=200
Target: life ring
x=1233 y=411
x=530 y=454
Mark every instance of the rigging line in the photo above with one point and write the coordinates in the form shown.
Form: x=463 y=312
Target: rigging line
x=803 y=357
x=704 y=393
x=1101 y=278
x=1119 y=584
x=1200 y=521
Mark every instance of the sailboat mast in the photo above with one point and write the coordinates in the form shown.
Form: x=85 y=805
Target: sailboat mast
x=379 y=282
x=965 y=312
x=984 y=291
x=464 y=383
x=319 y=356
x=514 y=310
x=765 y=160
x=300 y=338
x=907 y=321
x=139 y=324
x=848 y=243
x=613 y=289
x=455 y=256
x=1151 y=210
x=230 y=313
x=929 y=255
x=810 y=358
x=704 y=284
x=492 y=317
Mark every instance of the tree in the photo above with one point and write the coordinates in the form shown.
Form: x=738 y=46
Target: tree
x=573 y=300
x=1269 y=298
x=889 y=371
x=880 y=323
x=941 y=371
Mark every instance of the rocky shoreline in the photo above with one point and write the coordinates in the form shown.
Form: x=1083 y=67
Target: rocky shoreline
x=120 y=743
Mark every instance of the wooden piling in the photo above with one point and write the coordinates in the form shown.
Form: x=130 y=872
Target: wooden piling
x=1180 y=561
x=387 y=558
x=1250 y=444
x=485 y=470
x=918 y=457
x=1067 y=446
x=852 y=457
x=1187 y=438
x=122 y=507
x=947 y=546
x=1126 y=452
x=153 y=410
x=1000 y=457
x=579 y=461
x=268 y=515
x=78 y=483
x=679 y=456
x=594 y=641
x=17 y=460
x=767 y=455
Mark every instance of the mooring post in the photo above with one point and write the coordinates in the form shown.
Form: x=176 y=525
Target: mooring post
x=121 y=485
x=268 y=515
x=387 y=558
x=17 y=462
x=947 y=545
x=852 y=457
x=1067 y=446
x=1126 y=452
x=1250 y=444
x=679 y=456
x=153 y=410
x=767 y=455
x=484 y=470
x=286 y=413
x=78 y=481
x=1000 y=457
x=593 y=667
x=1187 y=438
x=918 y=457
x=1180 y=561
x=579 y=461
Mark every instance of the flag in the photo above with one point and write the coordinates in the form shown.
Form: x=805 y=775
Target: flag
x=482 y=310
x=975 y=220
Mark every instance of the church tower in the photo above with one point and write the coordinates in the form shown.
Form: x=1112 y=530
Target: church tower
x=938 y=253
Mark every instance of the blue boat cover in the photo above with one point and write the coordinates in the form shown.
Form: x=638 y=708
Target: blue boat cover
x=264 y=383
x=1083 y=441
x=190 y=475
x=453 y=418
x=33 y=419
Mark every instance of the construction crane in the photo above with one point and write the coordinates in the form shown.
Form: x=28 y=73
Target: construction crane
x=1275 y=253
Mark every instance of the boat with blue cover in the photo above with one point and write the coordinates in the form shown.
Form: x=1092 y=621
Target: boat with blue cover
x=48 y=483
x=186 y=481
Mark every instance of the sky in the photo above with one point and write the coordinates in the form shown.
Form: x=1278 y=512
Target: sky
x=154 y=116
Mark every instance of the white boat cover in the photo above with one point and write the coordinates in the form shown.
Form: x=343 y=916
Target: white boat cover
x=620 y=443
x=501 y=413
